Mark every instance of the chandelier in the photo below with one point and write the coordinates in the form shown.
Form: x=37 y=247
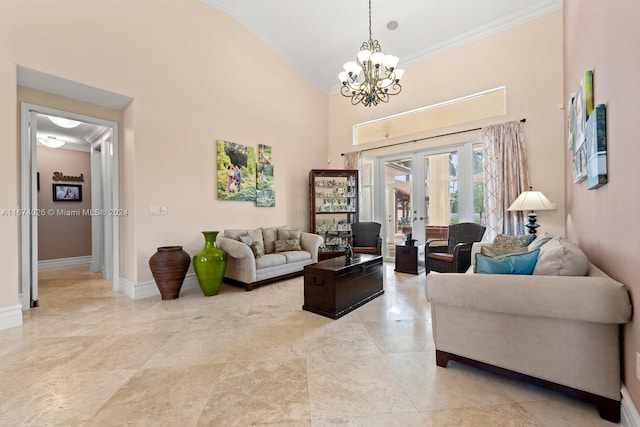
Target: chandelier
x=373 y=77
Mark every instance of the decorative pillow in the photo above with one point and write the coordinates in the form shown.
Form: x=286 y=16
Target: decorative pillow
x=287 y=245
x=559 y=257
x=541 y=240
x=490 y=251
x=246 y=239
x=256 y=235
x=257 y=249
x=507 y=264
x=270 y=236
x=288 y=234
x=504 y=244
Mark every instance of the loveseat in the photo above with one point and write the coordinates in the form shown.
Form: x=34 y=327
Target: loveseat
x=552 y=330
x=264 y=255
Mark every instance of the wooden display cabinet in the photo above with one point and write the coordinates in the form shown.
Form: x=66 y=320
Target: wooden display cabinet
x=334 y=207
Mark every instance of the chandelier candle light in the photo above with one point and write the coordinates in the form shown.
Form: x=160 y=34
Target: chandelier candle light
x=373 y=77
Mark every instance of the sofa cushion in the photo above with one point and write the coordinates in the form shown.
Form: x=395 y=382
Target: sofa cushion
x=507 y=264
x=270 y=235
x=559 y=257
x=270 y=260
x=296 y=256
x=287 y=245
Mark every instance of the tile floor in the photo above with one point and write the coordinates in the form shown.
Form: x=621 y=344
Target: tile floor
x=90 y=357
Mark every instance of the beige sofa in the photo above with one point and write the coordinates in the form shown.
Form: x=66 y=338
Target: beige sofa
x=247 y=266
x=559 y=332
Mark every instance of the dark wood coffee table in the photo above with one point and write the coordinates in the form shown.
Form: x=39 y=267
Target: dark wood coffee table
x=334 y=287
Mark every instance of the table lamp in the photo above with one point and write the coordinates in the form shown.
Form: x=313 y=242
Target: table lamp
x=532 y=201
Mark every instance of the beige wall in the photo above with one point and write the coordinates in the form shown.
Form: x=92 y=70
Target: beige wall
x=195 y=76
x=65 y=231
x=527 y=60
x=604 y=39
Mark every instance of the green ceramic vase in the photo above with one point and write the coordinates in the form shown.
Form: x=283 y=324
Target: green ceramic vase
x=210 y=265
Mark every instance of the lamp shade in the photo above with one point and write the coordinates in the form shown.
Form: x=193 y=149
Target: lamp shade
x=531 y=201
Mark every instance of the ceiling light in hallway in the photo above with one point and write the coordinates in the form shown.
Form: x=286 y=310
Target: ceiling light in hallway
x=64 y=123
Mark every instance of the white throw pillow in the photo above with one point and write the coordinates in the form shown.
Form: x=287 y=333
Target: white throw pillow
x=559 y=257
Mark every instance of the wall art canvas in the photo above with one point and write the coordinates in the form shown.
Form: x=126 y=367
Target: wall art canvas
x=264 y=154
x=580 y=118
x=580 y=164
x=265 y=196
x=236 y=171
x=596 y=147
x=587 y=88
x=571 y=121
x=582 y=107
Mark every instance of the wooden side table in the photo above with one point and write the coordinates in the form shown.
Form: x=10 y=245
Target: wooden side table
x=410 y=259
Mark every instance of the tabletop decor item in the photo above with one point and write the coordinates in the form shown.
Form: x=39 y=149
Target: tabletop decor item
x=210 y=265
x=348 y=253
x=169 y=267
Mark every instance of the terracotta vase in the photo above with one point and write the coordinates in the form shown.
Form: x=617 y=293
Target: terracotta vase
x=169 y=267
x=210 y=265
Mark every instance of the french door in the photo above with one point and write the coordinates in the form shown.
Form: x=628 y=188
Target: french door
x=422 y=193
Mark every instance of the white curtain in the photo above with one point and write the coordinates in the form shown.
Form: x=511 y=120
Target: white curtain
x=506 y=175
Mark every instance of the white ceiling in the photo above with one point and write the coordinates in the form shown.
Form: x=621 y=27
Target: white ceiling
x=77 y=138
x=318 y=36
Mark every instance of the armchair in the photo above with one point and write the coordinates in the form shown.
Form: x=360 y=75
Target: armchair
x=366 y=238
x=455 y=256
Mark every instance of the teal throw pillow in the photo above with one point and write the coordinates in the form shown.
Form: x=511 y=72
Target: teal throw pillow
x=507 y=264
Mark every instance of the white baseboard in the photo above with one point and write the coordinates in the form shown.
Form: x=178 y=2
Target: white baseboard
x=50 y=264
x=629 y=416
x=150 y=289
x=10 y=317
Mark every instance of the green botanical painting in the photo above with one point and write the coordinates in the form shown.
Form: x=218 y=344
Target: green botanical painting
x=264 y=154
x=236 y=178
x=266 y=198
x=265 y=176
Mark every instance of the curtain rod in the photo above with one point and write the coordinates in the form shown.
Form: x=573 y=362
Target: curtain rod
x=425 y=138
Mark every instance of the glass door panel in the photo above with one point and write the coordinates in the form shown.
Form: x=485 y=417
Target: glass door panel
x=397 y=178
x=441 y=188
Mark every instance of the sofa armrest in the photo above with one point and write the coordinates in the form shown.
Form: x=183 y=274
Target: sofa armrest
x=475 y=249
x=311 y=243
x=598 y=299
x=234 y=248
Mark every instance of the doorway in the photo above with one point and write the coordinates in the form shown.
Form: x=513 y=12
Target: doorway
x=422 y=193
x=104 y=208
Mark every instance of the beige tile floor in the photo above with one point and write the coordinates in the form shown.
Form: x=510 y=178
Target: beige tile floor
x=90 y=357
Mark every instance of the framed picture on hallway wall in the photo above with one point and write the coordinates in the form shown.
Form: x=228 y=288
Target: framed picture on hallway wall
x=67 y=192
